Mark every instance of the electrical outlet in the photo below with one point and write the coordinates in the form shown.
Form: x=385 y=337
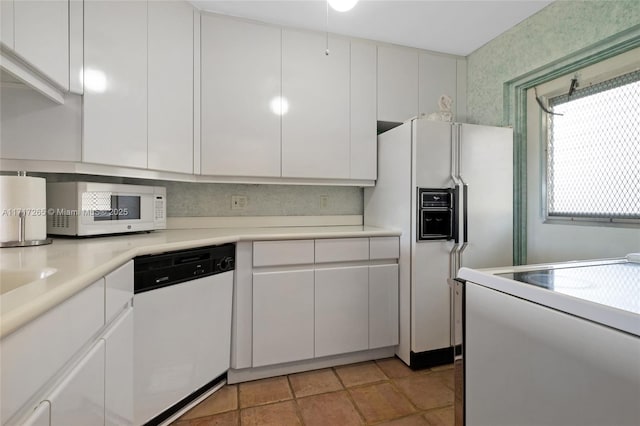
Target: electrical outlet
x=238 y=202
x=324 y=201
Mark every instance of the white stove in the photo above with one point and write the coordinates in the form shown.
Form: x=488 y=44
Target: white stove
x=603 y=291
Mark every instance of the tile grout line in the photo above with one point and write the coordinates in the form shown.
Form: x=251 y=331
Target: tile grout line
x=334 y=370
x=355 y=405
x=295 y=401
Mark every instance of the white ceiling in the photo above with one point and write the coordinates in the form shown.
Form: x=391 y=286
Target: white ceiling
x=453 y=26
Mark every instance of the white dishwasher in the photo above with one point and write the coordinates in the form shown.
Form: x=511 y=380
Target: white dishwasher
x=182 y=329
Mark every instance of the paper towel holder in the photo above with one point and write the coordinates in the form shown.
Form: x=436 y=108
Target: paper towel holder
x=22 y=223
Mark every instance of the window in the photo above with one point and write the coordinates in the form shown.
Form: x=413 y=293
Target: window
x=593 y=152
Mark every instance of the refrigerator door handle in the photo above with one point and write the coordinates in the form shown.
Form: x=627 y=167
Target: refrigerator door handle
x=465 y=199
x=453 y=261
x=452 y=312
x=455 y=158
x=465 y=222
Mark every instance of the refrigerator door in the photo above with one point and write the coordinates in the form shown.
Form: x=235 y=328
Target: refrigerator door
x=431 y=299
x=433 y=154
x=486 y=166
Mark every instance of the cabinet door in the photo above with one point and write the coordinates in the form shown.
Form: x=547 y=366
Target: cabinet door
x=240 y=98
x=383 y=306
x=363 y=111
x=119 y=371
x=59 y=333
x=438 y=76
x=170 y=97
x=397 y=84
x=282 y=317
x=115 y=83
x=6 y=22
x=79 y=399
x=40 y=416
x=118 y=289
x=341 y=310
x=315 y=129
x=41 y=37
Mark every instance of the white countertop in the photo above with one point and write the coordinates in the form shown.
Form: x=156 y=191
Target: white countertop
x=612 y=300
x=80 y=262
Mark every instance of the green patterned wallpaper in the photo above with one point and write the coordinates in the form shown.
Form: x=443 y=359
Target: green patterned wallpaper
x=558 y=30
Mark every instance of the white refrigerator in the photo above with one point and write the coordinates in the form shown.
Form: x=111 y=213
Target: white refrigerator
x=474 y=165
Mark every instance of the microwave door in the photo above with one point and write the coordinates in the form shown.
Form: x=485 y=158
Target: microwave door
x=126 y=207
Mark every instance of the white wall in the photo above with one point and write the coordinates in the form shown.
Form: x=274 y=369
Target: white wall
x=557 y=31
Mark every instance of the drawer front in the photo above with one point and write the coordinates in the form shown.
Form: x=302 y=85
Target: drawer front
x=342 y=250
x=291 y=252
x=119 y=289
x=384 y=248
x=34 y=353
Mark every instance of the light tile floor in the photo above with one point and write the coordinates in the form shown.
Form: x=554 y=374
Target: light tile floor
x=383 y=392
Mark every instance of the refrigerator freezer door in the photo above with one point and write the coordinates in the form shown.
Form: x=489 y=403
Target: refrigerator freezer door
x=433 y=163
x=432 y=159
x=486 y=165
x=430 y=296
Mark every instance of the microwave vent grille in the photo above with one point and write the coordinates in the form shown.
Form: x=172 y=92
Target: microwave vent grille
x=60 y=221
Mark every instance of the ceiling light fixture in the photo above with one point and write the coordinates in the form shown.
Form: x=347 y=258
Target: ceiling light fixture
x=342 y=5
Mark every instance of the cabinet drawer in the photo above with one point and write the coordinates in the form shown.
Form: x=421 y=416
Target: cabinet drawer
x=118 y=289
x=342 y=250
x=384 y=248
x=268 y=253
x=34 y=353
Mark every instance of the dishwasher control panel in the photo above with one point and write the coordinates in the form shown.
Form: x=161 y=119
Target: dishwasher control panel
x=161 y=270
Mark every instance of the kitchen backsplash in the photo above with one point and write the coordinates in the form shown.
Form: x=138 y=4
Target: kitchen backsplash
x=187 y=199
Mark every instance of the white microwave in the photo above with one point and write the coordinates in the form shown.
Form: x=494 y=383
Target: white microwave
x=91 y=208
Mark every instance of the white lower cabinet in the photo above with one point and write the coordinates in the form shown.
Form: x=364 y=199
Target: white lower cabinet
x=119 y=371
x=79 y=398
x=67 y=367
x=282 y=317
x=59 y=333
x=383 y=306
x=40 y=416
x=317 y=298
x=341 y=310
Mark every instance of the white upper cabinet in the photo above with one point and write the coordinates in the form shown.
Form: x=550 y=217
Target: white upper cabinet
x=41 y=37
x=240 y=89
x=363 y=111
x=315 y=129
x=438 y=76
x=397 y=83
x=6 y=22
x=115 y=83
x=170 y=85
